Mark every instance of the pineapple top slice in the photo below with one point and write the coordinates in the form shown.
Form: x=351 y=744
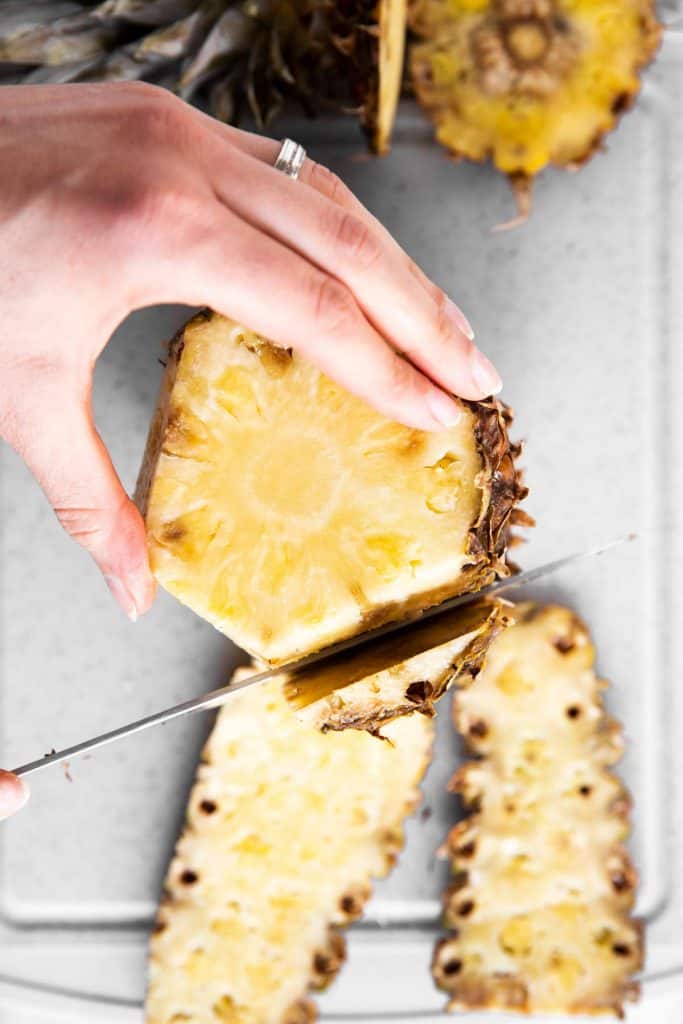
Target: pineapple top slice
x=542 y=885
x=290 y=514
x=286 y=828
x=529 y=82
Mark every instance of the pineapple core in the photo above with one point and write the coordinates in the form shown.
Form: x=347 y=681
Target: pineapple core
x=290 y=514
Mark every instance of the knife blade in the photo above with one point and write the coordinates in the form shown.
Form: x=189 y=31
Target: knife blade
x=216 y=698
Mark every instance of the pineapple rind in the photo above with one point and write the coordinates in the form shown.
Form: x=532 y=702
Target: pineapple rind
x=397 y=675
x=487 y=100
x=370 y=38
x=290 y=533
x=542 y=885
x=286 y=828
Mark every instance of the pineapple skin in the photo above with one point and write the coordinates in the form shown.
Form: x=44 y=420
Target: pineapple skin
x=529 y=83
x=286 y=828
x=398 y=675
x=370 y=38
x=491 y=490
x=540 y=904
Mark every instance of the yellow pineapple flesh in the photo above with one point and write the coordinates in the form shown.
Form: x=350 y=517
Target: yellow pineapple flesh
x=528 y=83
x=286 y=828
x=289 y=514
x=543 y=887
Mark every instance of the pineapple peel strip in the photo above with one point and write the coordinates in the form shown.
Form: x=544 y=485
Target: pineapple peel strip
x=286 y=828
x=539 y=908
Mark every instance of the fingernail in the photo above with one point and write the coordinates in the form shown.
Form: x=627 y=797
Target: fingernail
x=14 y=793
x=484 y=373
x=457 y=317
x=443 y=408
x=142 y=587
x=121 y=595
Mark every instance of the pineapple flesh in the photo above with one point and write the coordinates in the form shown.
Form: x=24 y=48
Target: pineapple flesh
x=290 y=514
x=286 y=828
x=539 y=908
x=529 y=82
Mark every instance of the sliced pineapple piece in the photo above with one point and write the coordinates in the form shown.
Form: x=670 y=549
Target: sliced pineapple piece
x=542 y=887
x=286 y=828
x=529 y=82
x=290 y=514
x=397 y=674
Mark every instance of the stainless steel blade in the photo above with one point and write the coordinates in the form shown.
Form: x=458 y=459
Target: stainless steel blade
x=216 y=698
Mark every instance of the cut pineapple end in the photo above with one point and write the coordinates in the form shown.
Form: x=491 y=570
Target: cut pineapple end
x=543 y=887
x=529 y=82
x=286 y=828
x=290 y=514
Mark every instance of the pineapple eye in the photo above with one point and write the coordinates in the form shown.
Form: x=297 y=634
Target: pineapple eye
x=585 y=790
x=321 y=963
x=208 y=807
x=620 y=882
x=573 y=711
x=452 y=967
x=189 y=877
x=479 y=729
x=563 y=644
x=468 y=850
x=159 y=927
x=419 y=692
x=466 y=908
x=621 y=949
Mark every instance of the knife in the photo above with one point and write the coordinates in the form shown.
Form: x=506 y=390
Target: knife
x=216 y=698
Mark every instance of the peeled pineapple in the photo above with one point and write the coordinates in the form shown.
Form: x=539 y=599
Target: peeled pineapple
x=543 y=887
x=286 y=828
x=529 y=82
x=290 y=514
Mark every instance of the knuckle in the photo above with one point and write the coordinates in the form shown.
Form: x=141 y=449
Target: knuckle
x=334 y=307
x=354 y=237
x=328 y=183
x=88 y=526
x=153 y=115
x=146 y=209
x=402 y=378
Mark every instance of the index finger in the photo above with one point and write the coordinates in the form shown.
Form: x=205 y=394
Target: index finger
x=410 y=311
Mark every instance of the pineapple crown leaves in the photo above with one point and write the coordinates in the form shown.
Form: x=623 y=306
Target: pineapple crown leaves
x=253 y=52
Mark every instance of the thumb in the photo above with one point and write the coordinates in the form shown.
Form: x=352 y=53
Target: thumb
x=13 y=794
x=70 y=462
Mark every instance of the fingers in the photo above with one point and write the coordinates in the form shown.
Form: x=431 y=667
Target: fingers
x=58 y=440
x=13 y=794
x=246 y=274
x=413 y=315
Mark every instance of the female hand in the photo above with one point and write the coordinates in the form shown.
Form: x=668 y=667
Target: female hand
x=114 y=197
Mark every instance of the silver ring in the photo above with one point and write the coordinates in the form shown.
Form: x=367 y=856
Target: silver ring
x=290 y=159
